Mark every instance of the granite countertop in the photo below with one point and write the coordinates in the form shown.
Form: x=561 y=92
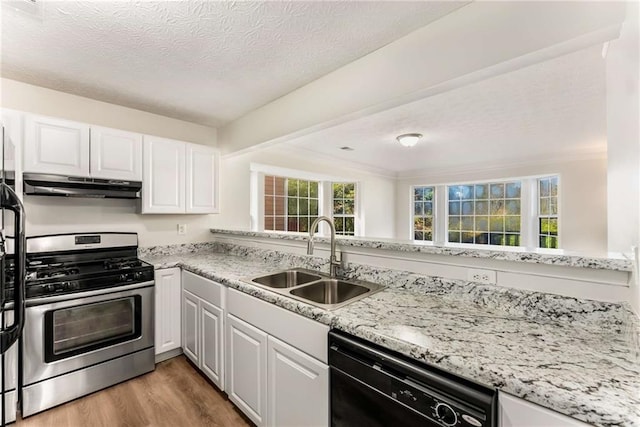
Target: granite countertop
x=614 y=262
x=589 y=370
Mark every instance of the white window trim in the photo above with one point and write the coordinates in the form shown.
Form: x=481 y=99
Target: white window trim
x=528 y=211
x=325 y=196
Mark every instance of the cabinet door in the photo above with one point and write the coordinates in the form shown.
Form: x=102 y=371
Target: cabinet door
x=54 y=146
x=212 y=330
x=116 y=154
x=298 y=387
x=167 y=291
x=163 y=184
x=13 y=131
x=202 y=179
x=516 y=412
x=190 y=326
x=246 y=375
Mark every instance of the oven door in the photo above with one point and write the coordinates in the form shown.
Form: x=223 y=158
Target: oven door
x=68 y=332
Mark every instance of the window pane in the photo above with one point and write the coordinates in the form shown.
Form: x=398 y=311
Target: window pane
x=467 y=208
x=482 y=223
x=303 y=188
x=496 y=223
x=418 y=224
x=313 y=207
x=512 y=207
x=482 y=239
x=418 y=208
x=313 y=189
x=338 y=191
x=454 y=208
x=512 y=223
x=418 y=193
x=544 y=188
x=418 y=235
x=292 y=206
x=304 y=224
x=454 y=236
x=512 y=190
x=428 y=193
x=422 y=213
x=497 y=191
x=466 y=191
x=553 y=183
x=467 y=223
x=303 y=206
x=544 y=206
x=454 y=194
x=428 y=208
x=454 y=223
x=292 y=224
x=548 y=212
x=338 y=207
x=344 y=195
x=482 y=208
x=349 y=225
x=350 y=191
x=339 y=223
x=467 y=237
x=292 y=186
x=481 y=191
x=497 y=207
x=349 y=207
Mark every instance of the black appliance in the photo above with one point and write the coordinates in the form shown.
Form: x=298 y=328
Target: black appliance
x=70 y=186
x=12 y=304
x=372 y=386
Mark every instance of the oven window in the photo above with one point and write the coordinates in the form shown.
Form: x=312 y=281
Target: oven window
x=83 y=328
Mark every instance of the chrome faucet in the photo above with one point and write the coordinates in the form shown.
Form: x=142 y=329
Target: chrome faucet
x=334 y=263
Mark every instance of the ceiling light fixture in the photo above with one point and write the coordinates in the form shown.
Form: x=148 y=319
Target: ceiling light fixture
x=409 y=139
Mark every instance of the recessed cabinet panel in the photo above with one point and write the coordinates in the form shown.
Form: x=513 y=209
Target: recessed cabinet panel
x=202 y=174
x=163 y=188
x=56 y=146
x=516 y=412
x=116 y=154
x=247 y=368
x=190 y=326
x=291 y=372
x=211 y=349
x=167 y=315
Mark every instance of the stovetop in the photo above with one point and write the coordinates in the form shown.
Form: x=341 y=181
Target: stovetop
x=63 y=273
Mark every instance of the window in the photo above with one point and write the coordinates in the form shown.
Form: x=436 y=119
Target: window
x=344 y=208
x=485 y=213
x=423 y=213
x=548 y=212
x=510 y=212
x=289 y=204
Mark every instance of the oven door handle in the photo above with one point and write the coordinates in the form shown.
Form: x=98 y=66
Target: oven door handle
x=87 y=294
x=10 y=201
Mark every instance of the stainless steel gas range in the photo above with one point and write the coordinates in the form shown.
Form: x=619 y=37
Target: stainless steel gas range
x=89 y=316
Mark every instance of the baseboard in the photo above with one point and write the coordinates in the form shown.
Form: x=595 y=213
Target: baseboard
x=168 y=355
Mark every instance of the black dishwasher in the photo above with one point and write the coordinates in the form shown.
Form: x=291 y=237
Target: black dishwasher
x=372 y=386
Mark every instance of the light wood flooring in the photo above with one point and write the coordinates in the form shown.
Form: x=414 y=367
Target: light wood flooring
x=175 y=394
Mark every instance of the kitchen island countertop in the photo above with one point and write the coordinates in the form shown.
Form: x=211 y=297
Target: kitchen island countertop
x=586 y=370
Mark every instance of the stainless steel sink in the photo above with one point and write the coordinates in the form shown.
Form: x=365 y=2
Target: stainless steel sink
x=330 y=291
x=286 y=279
x=316 y=288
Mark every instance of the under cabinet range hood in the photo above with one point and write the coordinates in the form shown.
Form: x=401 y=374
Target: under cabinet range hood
x=71 y=186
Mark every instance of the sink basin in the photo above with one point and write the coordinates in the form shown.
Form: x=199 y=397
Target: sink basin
x=330 y=291
x=286 y=279
x=315 y=288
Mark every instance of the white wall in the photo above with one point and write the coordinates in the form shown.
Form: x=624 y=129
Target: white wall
x=377 y=192
x=56 y=215
x=583 y=198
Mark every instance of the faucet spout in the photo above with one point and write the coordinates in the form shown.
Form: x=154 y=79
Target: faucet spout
x=333 y=261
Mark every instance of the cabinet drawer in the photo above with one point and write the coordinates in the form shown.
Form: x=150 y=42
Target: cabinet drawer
x=294 y=329
x=208 y=290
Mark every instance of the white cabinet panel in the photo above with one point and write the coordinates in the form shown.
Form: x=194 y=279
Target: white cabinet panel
x=246 y=380
x=202 y=176
x=13 y=124
x=516 y=412
x=190 y=326
x=167 y=316
x=298 y=387
x=116 y=154
x=56 y=146
x=211 y=319
x=163 y=189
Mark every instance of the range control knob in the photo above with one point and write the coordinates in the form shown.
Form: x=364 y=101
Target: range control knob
x=138 y=275
x=124 y=277
x=446 y=414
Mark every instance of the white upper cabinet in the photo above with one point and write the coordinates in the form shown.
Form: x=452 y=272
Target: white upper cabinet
x=179 y=177
x=202 y=177
x=116 y=154
x=163 y=186
x=56 y=146
x=62 y=147
x=12 y=122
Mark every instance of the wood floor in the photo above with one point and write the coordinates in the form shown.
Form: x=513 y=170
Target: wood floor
x=175 y=394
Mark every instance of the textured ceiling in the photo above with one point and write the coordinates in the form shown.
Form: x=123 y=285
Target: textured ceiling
x=554 y=108
x=203 y=61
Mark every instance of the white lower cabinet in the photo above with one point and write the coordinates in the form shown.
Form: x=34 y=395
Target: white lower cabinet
x=298 y=387
x=167 y=314
x=203 y=303
x=277 y=371
x=247 y=368
x=516 y=412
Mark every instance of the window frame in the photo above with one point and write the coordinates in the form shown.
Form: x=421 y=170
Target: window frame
x=356 y=206
x=558 y=210
x=529 y=208
x=325 y=197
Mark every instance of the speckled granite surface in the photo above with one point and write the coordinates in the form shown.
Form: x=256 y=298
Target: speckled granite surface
x=619 y=263
x=580 y=358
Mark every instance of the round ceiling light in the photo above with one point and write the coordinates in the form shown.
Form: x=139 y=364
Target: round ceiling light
x=409 y=139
